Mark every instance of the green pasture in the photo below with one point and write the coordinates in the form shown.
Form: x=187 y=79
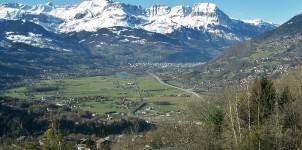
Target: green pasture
x=175 y=103
x=102 y=107
x=115 y=89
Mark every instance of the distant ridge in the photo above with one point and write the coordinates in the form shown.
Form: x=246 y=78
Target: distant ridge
x=273 y=53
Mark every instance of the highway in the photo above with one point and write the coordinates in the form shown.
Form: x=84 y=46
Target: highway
x=179 y=88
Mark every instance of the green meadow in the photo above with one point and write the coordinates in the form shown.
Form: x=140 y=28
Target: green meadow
x=114 y=89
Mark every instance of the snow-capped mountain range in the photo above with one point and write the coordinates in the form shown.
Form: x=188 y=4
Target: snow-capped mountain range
x=97 y=14
x=36 y=40
x=102 y=26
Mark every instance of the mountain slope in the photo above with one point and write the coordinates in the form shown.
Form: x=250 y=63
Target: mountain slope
x=203 y=27
x=96 y=14
x=137 y=45
x=29 y=51
x=37 y=40
x=273 y=53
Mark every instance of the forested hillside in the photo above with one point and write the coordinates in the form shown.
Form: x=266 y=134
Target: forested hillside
x=39 y=125
x=264 y=114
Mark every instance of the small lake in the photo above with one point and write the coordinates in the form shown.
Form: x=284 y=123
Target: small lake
x=121 y=74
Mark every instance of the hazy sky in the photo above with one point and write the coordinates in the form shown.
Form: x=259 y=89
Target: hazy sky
x=276 y=11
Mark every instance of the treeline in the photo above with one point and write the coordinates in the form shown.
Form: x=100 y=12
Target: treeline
x=265 y=114
x=102 y=129
x=42 y=88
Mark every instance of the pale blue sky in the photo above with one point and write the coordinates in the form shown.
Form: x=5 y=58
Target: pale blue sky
x=276 y=11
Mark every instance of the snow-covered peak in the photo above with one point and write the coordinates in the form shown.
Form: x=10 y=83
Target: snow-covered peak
x=95 y=3
x=205 y=8
x=158 y=10
x=48 y=7
x=50 y=4
x=92 y=15
x=180 y=11
x=15 y=5
x=259 y=23
x=255 y=22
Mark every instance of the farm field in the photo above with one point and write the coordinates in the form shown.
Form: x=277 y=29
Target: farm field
x=103 y=94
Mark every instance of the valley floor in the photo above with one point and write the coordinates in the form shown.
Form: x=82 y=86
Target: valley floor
x=103 y=94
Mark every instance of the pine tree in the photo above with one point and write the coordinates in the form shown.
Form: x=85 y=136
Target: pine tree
x=263 y=99
x=285 y=97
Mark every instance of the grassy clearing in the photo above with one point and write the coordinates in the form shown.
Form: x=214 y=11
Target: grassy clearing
x=150 y=87
x=261 y=54
x=101 y=107
x=175 y=83
x=175 y=102
x=82 y=87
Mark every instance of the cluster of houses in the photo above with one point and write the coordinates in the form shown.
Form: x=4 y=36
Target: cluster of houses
x=165 y=65
x=99 y=144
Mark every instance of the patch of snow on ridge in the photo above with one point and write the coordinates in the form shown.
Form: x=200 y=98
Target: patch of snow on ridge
x=259 y=22
x=35 y=40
